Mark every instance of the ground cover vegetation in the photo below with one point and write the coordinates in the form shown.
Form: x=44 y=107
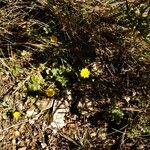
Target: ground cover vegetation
x=74 y=74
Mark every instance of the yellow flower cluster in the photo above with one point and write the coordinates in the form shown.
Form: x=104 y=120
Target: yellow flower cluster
x=85 y=73
x=16 y=115
x=53 y=40
x=50 y=92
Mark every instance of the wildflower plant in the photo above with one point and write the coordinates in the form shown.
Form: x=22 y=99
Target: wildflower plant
x=50 y=92
x=116 y=114
x=35 y=82
x=85 y=73
x=47 y=29
x=16 y=115
x=53 y=40
x=59 y=75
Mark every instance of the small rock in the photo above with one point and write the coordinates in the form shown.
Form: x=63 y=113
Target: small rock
x=93 y=134
x=42 y=104
x=17 y=133
x=30 y=112
x=103 y=136
x=44 y=145
x=127 y=98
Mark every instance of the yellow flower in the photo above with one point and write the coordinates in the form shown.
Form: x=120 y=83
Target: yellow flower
x=50 y=92
x=16 y=115
x=85 y=73
x=53 y=40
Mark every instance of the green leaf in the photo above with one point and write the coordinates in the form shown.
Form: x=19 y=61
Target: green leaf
x=37 y=78
x=33 y=87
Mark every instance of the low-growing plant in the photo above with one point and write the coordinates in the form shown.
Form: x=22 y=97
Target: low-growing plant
x=116 y=114
x=36 y=80
x=134 y=133
x=47 y=29
x=147 y=130
x=59 y=75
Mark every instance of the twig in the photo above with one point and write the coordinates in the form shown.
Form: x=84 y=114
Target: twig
x=21 y=85
x=117 y=130
x=133 y=109
x=68 y=138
